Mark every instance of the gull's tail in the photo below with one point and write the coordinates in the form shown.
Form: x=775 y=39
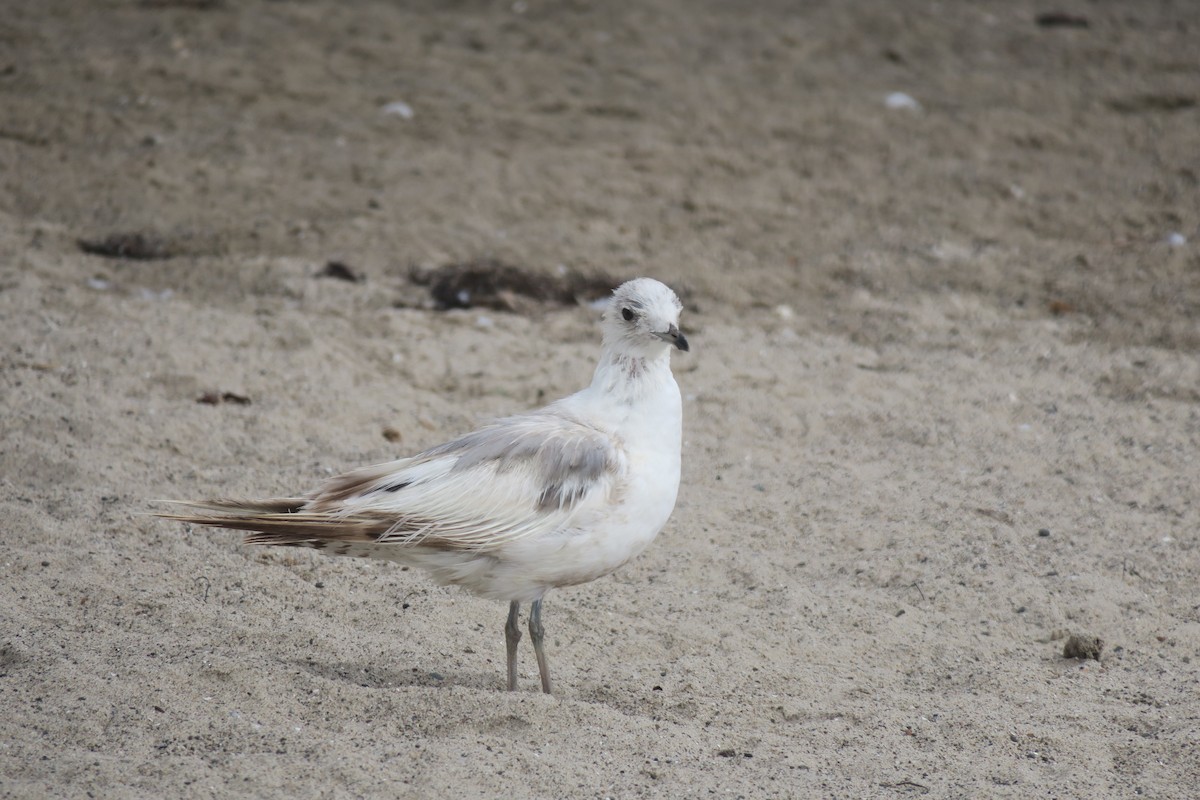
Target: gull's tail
x=284 y=522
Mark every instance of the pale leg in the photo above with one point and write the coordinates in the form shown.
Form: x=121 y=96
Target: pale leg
x=512 y=635
x=536 y=633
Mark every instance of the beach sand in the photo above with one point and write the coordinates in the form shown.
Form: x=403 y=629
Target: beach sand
x=942 y=408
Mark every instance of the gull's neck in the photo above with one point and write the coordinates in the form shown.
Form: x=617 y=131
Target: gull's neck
x=629 y=376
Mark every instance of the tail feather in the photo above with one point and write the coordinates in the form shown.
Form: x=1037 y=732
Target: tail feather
x=285 y=522
x=275 y=505
x=277 y=522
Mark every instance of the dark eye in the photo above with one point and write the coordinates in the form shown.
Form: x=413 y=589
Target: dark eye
x=627 y=314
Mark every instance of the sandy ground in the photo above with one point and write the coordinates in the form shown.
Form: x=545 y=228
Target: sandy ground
x=942 y=408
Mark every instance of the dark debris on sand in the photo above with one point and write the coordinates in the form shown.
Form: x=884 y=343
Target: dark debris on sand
x=1083 y=646
x=339 y=270
x=489 y=283
x=134 y=246
x=217 y=398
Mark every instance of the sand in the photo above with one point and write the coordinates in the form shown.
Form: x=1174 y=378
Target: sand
x=942 y=409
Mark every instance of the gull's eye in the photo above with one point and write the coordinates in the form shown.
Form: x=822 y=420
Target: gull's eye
x=627 y=314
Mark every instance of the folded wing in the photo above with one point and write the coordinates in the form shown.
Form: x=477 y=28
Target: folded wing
x=521 y=476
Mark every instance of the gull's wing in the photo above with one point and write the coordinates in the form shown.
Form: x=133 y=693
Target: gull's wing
x=517 y=477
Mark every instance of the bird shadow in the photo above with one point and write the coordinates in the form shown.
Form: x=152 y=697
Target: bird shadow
x=376 y=677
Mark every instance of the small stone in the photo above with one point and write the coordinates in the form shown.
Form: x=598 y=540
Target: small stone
x=1044 y=532
x=398 y=109
x=901 y=100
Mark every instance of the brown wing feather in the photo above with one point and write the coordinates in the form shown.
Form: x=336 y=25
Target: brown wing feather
x=341 y=488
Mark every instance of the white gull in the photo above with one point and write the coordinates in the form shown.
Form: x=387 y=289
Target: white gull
x=553 y=497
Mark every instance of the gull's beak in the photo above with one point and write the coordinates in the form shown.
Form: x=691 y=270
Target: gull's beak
x=673 y=336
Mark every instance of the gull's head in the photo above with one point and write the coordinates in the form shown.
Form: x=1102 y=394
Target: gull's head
x=643 y=318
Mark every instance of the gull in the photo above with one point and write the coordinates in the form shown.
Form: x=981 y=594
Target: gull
x=554 y=497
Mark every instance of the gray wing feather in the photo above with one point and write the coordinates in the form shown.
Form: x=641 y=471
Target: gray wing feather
x=568 y=457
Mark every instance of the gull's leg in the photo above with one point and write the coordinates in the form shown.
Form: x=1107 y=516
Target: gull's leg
x=512 y=635
x=536 y=633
